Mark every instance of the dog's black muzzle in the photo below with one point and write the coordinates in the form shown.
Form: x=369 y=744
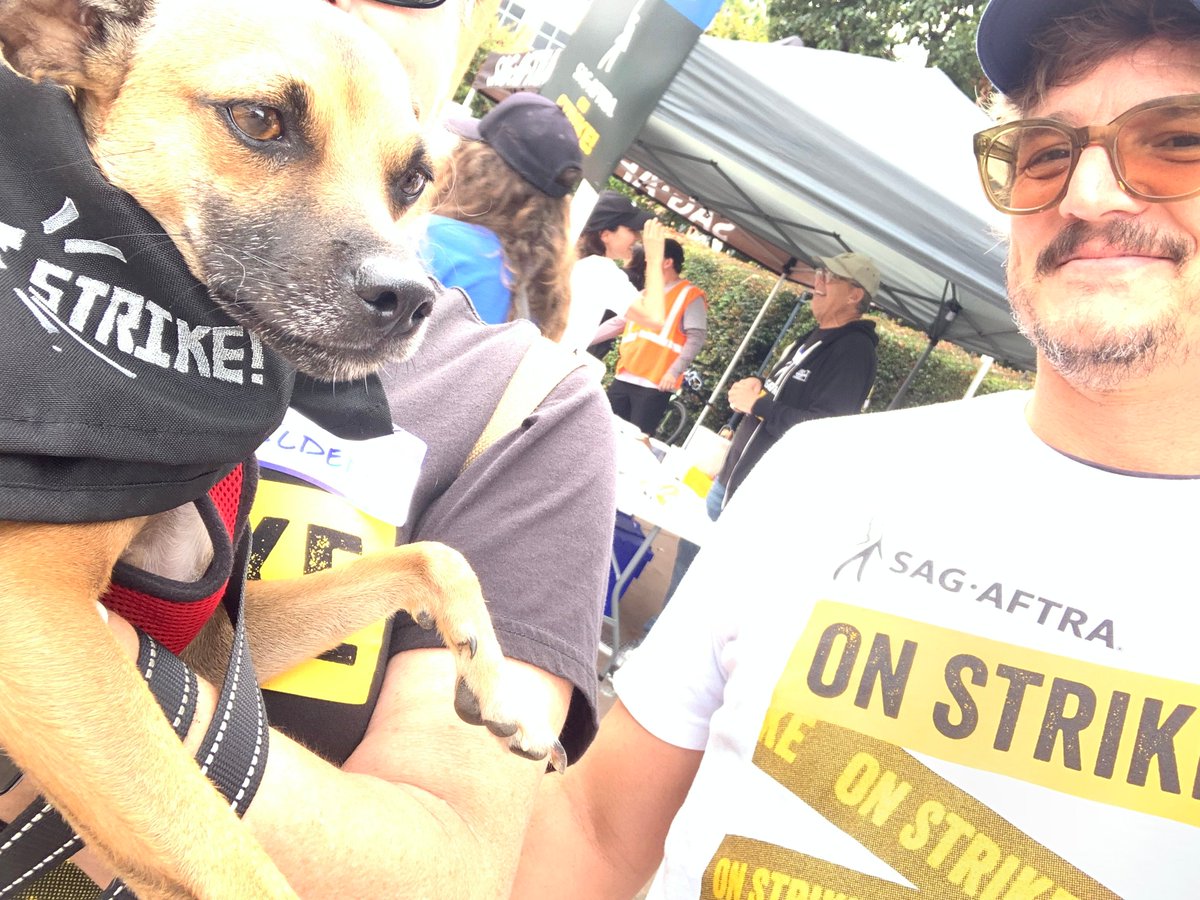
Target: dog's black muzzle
x=397 y=294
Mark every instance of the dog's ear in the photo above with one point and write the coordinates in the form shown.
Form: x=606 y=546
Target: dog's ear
x=72 y=42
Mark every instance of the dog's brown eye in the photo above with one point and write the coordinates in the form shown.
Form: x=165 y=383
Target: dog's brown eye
x=259 y=123
x=411 y=184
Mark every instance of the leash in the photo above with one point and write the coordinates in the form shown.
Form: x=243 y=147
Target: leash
x=233 y=754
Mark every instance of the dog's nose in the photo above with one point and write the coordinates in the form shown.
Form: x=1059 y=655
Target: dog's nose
x=398 y=294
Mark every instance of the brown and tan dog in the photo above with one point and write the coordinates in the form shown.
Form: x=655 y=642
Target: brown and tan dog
x=274 y=142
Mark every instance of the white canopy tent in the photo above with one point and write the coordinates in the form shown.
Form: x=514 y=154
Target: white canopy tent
x=814 y=152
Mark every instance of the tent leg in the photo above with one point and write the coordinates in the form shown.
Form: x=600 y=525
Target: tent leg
x=712 y=398
x=900 y=394
x=985 y=365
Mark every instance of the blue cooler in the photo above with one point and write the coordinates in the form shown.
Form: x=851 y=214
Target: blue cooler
x=627 y=537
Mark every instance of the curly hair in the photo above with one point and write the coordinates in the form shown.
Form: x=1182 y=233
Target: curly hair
x=478 y=187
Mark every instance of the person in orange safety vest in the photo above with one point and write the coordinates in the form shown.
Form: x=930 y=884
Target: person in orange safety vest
x=652 y=361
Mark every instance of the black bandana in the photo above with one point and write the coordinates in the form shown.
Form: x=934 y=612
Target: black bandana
x=124 y=390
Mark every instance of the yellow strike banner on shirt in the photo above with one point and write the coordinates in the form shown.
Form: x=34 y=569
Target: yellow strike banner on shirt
x=933 y=833
x=1108 y=735
x=745 y=869
x=299 y=530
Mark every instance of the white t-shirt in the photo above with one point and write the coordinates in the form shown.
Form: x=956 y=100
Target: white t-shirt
x=597 y=284
x=948 y=658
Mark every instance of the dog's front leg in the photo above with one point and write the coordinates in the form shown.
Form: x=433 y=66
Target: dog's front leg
x=293 y=620
x=76 y=715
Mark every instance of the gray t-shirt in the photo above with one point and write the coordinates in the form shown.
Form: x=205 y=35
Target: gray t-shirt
x=533 y=515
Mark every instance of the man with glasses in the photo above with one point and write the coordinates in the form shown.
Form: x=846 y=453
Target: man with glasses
x=827 y=372
x=959 y=659
x=397 y=797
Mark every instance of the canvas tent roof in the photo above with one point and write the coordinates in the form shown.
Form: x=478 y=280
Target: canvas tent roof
x=815 y=151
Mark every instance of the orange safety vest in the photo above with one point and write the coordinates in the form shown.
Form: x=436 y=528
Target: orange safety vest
x=648 y=354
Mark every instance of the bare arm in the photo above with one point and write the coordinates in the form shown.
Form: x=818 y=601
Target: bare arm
x=603 y=824
x=651 y=311
x=425 y=806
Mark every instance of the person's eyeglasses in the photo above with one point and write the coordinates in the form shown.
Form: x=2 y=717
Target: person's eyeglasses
x=827 y=276
x=1154 y=151
x=413 y=4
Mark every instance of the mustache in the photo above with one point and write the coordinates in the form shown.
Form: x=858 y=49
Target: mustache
x=1127 y=236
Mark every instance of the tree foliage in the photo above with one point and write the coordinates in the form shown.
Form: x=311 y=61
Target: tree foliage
x=944 y=29
x=742 y=20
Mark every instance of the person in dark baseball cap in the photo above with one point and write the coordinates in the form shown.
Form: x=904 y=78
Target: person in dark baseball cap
x=600 y=285
x=499 y=224
x=531 y=134
x=612 y=210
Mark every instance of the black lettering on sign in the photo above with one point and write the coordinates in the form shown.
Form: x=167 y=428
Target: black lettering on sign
x=968 y=708
x=318 y=552
x=342 y=655
x=1018 y=680
x=1110 y=743
x=892 y=679
x=263 y=541
x=1057 y=721
x=1157 y=739
x=841 y=676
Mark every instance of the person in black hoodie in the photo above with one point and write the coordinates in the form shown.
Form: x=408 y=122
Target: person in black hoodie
x=827 y=372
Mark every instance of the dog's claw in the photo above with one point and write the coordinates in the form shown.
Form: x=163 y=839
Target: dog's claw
x=558 y=757
x=425 y=620
x=527 y=754
x=471 y=645
x=466 y=704
x=502 y=729
x=555 y=755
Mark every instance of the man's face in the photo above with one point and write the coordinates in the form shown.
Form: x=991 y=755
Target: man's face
x=1107 y=286
x=427 y=42
x=830 y=296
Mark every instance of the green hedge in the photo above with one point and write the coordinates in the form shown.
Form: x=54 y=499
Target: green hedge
x=737 y=290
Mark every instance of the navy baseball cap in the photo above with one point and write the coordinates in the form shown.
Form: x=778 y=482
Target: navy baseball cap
x=1005 y=29
x=534 y=137
x=612 y=210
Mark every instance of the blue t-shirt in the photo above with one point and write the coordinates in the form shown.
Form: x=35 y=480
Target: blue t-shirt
x=468 y=256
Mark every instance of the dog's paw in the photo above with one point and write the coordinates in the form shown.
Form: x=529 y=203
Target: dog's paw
x=457 y=610
x=521 y=741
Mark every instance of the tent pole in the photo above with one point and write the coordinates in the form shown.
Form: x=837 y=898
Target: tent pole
x=762 y=311
x=947 y=313
x=913 y=374
x=985 y=365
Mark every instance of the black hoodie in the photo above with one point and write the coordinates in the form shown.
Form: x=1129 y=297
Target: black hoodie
x=828 y=372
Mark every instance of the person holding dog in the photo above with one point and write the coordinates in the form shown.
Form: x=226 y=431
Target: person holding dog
x=498 y=229
x=533 y=516
x=400 y=797
x=865 y=691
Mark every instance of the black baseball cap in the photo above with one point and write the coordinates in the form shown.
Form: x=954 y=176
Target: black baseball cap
x=1005 y=30
x=612 y=210
x=534 y=137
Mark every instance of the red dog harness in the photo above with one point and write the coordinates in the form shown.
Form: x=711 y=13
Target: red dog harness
x=173 y=612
